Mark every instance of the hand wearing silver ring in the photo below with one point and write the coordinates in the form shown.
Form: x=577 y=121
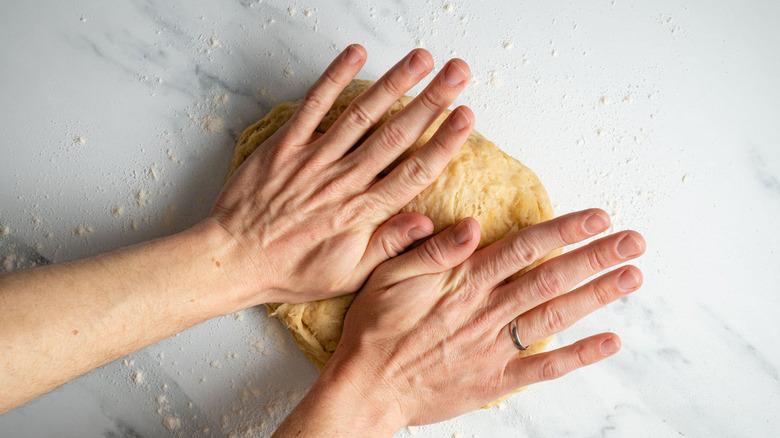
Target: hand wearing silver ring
x=458 y=301
x=515 y=336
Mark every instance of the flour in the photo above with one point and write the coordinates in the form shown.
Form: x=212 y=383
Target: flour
x=288 y=73
x=171 y=423
x=138 y=377
x=79 y=140
x=213 y=123
x=5 y=230
x=82 y=230
x=495 y=81
x=153 y=172
x=141 y=197
x=117 y=211
x=9 y=262
x=508 y=45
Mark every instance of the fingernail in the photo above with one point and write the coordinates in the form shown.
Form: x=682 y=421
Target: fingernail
x=627 y=280
x=608 y=347
x=459 y=121
x=453 y=74
x=596 y=223
x=418 y=233
x=628 y=246
x=462 y=232
x=417 y=65
x=353 y=55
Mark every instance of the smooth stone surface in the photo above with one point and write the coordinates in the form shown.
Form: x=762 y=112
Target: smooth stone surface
x=663 y=113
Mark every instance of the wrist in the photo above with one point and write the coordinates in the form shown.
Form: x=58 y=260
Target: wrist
x=222 y=264
x=339 y=406
x=359 y=380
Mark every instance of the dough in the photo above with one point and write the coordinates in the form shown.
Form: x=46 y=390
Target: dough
x=480 y=182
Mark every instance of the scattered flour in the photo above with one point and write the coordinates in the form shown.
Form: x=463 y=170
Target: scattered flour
x=5 y=230
x=82 y=230
x=80 y=140
x=494 y=81
x=291 y=11
x=138 y=377
x=161 y=399
x=307 y=13
x=117 y=211
x=604 y=100
x=171 y=423
x=213 y=123
x=628 y=99
x=9 y=262
x=448 y=7
x=508 y=45
x=153 y=172
x=141 y=197
x=215 y=364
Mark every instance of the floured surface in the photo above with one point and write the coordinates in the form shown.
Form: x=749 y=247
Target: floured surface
x=481 y=182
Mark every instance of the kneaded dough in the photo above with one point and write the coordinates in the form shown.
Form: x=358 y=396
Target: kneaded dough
x=481 y=182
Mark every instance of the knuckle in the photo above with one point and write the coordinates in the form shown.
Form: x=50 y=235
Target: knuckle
x=359 y=116
x=417 y=172
x=548 y=282
x=522 y=253
x=567 y=231
x=390 y=86
x=602 y=294
x=554 y=319
x=597 y=260
x=313 y=101
x=331 y=77
x=433 y=253
x=429 y=101
x=580 y=357
x=394 y=135
x=550 y=370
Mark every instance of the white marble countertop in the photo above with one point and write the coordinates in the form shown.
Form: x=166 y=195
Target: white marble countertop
x=119 y=120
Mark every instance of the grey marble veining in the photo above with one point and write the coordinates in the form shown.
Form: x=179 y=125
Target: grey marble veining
x=663 y=113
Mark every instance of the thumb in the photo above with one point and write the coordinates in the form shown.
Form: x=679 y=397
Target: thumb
x=394 y=237
x=441 y=252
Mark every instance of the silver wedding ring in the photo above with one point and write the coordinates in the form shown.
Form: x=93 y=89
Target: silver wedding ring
x=515 y=337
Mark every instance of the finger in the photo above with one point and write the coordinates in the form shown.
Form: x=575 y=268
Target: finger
x=444 y=251
x=523 y=371
x=557 y=276
x=421 y=169
x=320 y=97
x=561 y=313
x=395 y=136
x=368 y=108
x=393 y=237
x=495 y=263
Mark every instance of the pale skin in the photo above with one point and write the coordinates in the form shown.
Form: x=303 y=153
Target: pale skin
x=307 y=217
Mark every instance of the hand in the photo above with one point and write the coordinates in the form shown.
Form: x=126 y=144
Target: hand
x=431 y=325
x=309 y=213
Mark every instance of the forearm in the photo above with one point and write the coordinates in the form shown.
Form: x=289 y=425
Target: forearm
x=61 y=321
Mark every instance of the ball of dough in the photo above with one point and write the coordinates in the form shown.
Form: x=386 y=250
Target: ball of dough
x=481 y=182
